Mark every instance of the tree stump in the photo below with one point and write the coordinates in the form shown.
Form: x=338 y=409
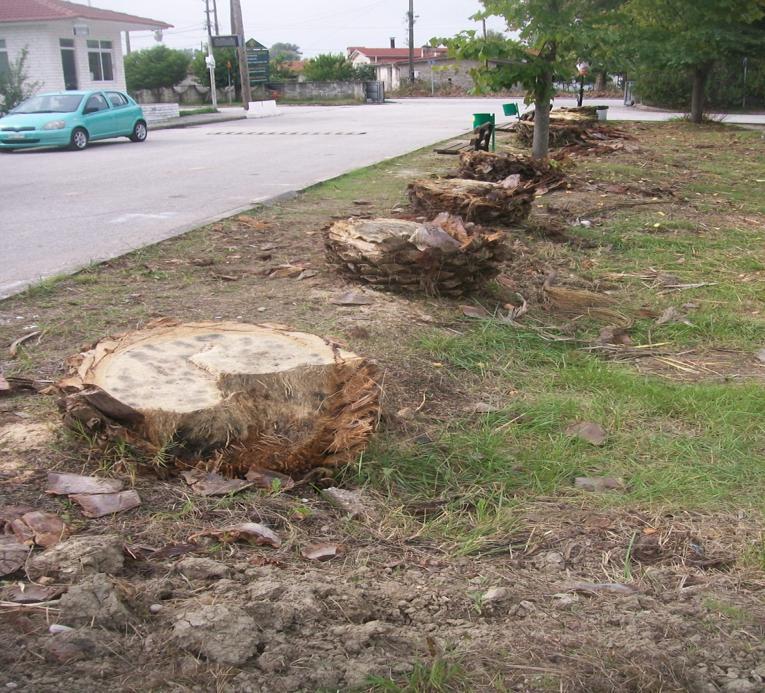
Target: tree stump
x=495 y=168
x=444 y=256
x=476 y=201
x=232 y=394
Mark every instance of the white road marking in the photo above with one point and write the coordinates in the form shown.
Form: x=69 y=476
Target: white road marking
x=125 y=218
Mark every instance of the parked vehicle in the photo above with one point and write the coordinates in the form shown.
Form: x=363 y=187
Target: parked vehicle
x=72 y=119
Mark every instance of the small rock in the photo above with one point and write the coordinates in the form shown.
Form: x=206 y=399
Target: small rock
x=155 y=608
x=194 y=568
x=527 y=605
x=565 y=599
x=77 y=556
x=72 y=646
x=495 y=595
x=740 y=686
x=55 y=628
x=348 y=501
x=94 y=601
x=552 y=560
x=220 y=633
x=588 y=431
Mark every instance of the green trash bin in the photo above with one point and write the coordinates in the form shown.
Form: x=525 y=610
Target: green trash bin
x=483 y=118
x=510 y=109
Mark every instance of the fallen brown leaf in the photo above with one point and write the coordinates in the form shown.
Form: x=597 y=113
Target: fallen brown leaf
x=212 y=484
x=100 y=504
x=599 y=483
x=13 y=555
x=42 y=529
x=588 y=431
x=23 y=593
x=60 y=483
x=321 y=552
x=252 y=532
x=474 y=311
x=273 y=481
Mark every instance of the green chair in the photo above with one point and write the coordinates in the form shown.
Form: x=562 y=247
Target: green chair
x=480 y=119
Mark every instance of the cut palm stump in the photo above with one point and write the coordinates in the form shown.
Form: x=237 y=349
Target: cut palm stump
x=230 y=394
x=477 y=201
x=495 y=168
x=444 y=256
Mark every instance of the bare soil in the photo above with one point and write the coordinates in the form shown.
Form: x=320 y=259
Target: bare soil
x=577 y=599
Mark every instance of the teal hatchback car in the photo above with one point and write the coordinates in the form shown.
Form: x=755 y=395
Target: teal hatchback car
x=72 y=119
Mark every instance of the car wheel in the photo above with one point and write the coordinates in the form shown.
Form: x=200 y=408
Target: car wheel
x=79 y=139
x=140 y=132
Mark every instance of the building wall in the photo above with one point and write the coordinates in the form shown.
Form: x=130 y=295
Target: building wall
x=305 y=91
x=444 y=73
x=44 y=53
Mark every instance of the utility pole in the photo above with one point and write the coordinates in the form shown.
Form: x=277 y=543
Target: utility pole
x=210 y=60
x=485 y=62
x=411 y=41
x=127 y=42
x=215 y=15
x=237 y=28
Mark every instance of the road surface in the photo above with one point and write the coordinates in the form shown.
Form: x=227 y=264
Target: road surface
x=61 y=210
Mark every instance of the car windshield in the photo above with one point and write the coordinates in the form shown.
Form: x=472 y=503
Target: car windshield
x=50 y=103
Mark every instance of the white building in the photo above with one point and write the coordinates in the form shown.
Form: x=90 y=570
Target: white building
x=69 y=46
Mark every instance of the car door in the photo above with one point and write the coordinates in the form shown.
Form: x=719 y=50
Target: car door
x=98 y=117
x=123 y=116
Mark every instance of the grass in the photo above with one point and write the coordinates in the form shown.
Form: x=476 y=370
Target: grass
x=198 y=111
x=695 y=445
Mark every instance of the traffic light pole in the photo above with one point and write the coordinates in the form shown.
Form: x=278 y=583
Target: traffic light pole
x=210 y=60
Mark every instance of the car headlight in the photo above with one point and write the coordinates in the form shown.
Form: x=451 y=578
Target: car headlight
x=54 y=125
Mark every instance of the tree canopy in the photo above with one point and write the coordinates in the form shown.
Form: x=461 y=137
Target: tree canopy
x=693 y=35
x=335 y=67
x=156 y=67
x=226 y=62
x=286 y=51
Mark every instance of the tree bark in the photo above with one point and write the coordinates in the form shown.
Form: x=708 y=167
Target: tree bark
x=700 y=75
x=600 y=80
x=541 y=143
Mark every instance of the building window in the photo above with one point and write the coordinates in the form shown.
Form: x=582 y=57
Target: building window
x=5 y=65
x=100 y=61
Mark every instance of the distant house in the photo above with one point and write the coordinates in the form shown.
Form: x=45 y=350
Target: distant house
x=69 y=46
x=380 y=56
x=442 y=72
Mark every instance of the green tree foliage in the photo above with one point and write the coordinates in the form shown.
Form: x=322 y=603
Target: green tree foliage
x=287 y=51
x=334 y=67
x=156 y=67
x=280 y=70
x=691 y=36
x=552 y=36
x=14 y=83
x=226 y=60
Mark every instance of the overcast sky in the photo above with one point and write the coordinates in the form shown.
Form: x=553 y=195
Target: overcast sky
x=316 y=26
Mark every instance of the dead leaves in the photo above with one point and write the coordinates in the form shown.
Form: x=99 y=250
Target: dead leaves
x=13 y=349
x=39 y=528
x=97 y=497
x=588 y=431
x=100 y=504
x=212 y=484
x=250 y=532
x=13 y=555
x=322 y=552
x=62 y=484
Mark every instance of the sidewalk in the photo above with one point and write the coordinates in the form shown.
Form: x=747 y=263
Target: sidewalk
x=201 y=119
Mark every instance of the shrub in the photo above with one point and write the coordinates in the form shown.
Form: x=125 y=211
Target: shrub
x=156 y=67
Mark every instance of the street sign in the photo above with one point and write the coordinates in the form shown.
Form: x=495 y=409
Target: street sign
x=225 y=41
x=257 y=62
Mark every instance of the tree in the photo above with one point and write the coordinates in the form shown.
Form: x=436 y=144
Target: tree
x=694 y=35
x=14 y=83
x=287 y=51
x=155 y=68
x=550 y=36
x=334 y=67
x=280 y=69
x=226 y=62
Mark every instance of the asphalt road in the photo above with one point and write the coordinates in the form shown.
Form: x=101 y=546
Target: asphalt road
x=61 y=210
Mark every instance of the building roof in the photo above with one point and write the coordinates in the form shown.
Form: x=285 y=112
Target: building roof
x=56 y=10
x=390 y=55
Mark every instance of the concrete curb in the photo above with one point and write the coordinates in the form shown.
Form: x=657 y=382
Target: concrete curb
x=191 y=121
